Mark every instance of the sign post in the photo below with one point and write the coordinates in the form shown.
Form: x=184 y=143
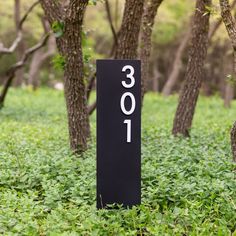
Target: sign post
x=118 y=132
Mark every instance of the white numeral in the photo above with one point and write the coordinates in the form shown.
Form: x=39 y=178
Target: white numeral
x=128 y=122
x=122 y=103
x=131 y=96
x=129 y=76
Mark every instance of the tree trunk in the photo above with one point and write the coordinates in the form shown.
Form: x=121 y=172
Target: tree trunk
x=34 y=69
x=233 y=141
x=193 y=78
x=228 y=80
x=173 y=77
x=70 y=47
x=129 y=32
x=21 y=47
x=75 y=89
x=155 y=79
x=37 y=61
x=230 y=24
x=229 y=94
x=150 y=11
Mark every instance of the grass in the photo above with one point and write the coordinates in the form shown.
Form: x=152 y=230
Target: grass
x=188 y=185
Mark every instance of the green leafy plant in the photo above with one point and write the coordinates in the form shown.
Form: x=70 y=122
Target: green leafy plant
x=188 y=185
x=58 y=28
x=58 y=62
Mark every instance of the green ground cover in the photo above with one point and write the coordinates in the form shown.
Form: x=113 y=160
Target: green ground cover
x=188 y=185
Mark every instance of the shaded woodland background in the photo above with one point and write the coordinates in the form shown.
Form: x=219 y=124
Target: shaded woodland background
x=170 y=32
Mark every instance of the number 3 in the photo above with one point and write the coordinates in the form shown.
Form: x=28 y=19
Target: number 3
x=129 y=76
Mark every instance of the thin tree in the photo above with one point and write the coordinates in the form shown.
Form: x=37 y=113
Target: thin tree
x=21 y=47
x=67 y=19
x=230 y=24
x=230 y=81
x=40 y=57
x=148 y=19
x=177 y=65
x=193 y=77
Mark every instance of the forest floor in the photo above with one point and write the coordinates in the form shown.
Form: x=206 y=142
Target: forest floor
x=188 y=185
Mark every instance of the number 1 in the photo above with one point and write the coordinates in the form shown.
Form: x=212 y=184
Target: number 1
x=128 y=122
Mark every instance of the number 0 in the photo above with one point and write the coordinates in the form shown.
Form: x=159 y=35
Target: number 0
x=122 y=103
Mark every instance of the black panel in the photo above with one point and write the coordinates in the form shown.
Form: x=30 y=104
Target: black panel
x=118 y=161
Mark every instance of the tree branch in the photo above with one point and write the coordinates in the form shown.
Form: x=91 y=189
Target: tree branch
x=10 y=74
x=92 y=108
x=90 y=85
x=217 y=24
x=109 y=17
x=27 y=14
x=51 y=41
x=12 y=48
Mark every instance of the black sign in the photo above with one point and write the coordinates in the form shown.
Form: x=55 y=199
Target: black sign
x=118 y=132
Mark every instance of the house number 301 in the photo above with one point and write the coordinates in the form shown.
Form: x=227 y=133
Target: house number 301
x=130 y=75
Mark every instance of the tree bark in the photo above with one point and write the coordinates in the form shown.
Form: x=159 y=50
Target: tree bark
x=193 y=78
x=148 y=19
x=233 y=141
x=70 y=47
x=129 y=32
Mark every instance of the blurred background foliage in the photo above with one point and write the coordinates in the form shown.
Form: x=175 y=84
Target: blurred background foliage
x=172 y=23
